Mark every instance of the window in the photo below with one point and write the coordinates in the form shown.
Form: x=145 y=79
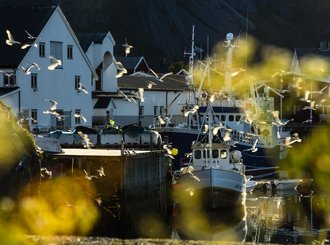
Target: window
x=206 y=153
x=155 y=110
x=34 y=116
x=34 y=81
x=141 y=111
x=41 y=49
x=77 y=82
x=223 y=154
x=9 y=79
x=237 y=118
x=223 y=118
x=77 y=116
x=161 y=110
x=215 y=153
x=56 y=50
x=69 y=52
x=231 y=118
x=198 y=154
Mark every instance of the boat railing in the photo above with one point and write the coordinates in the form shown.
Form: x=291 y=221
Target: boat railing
x=244 y=137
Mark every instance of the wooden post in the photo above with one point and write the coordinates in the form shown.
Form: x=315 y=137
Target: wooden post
x=122 y=147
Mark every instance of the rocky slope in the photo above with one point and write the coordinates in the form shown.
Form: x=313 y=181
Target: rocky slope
x=161 y=30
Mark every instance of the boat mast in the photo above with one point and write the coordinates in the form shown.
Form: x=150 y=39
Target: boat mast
x=192 y=53
x=191 y=58
x=228 y=65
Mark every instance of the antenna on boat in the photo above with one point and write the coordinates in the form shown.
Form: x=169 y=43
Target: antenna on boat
x=192 y=52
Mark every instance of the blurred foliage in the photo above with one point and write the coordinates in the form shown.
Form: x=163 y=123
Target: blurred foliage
x=30 y=206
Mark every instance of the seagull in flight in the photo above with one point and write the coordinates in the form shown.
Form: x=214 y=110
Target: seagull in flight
x=27 y=70
x=6 y=73
x=253 y=148
x=127 y=47
x=86 y=141
x=26 y=45
x=121 y=69
x=167 y=149
x=54 y=63
x=162 y=77
x=10 y=41
x=129 y=99
x=78 y=115
x=53 y=103
x=82 y=88
x=310 y=107
x=289 y=141
x=100 y=171
x=191 y=111
x=140 y=94
x=306 y=96
x=319 y=91
x=216 y=129
x=89 y=177
x=29 y=35
x=150 y=84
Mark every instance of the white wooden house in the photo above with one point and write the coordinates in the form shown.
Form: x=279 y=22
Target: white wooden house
x=53 y=37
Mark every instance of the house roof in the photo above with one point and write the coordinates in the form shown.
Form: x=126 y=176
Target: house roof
x=131 y=62
x=7 y=90
x=17 y=20
x=86 y=38
x=31 y=19
x=102 y=103
x=171 y=82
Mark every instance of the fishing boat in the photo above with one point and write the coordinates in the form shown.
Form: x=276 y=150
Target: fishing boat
x=256 y=128
x=214 y=175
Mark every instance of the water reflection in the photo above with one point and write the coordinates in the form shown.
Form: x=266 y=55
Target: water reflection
x=215 y=225
x=281 y=217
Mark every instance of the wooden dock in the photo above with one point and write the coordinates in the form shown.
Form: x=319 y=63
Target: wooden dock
x=133 y=186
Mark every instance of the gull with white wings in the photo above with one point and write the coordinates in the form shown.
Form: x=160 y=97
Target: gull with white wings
x=253 y=148
x=54 y=63
x=27 y=71
x=127 y=47
x=162 y=77
x=121 y=69
x=10 y=40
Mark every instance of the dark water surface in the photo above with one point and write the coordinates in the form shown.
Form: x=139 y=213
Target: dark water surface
x=282 y=218
x=286 y=217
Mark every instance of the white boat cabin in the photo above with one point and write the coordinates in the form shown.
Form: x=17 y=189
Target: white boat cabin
x=216 y=156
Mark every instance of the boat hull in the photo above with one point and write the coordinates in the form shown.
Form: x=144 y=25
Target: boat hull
x=211 y=188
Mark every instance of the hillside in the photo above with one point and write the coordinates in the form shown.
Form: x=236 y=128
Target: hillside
x=161 y=30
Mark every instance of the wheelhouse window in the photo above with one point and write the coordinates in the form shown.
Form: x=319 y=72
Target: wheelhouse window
x=198 y=154
x=223 y=118
x=70 y=52
x=223 y=154
x=231 y=118
x=42 y=49
x=237 y=118
x=206 y=153
x=34 y=81
x=215 y=153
